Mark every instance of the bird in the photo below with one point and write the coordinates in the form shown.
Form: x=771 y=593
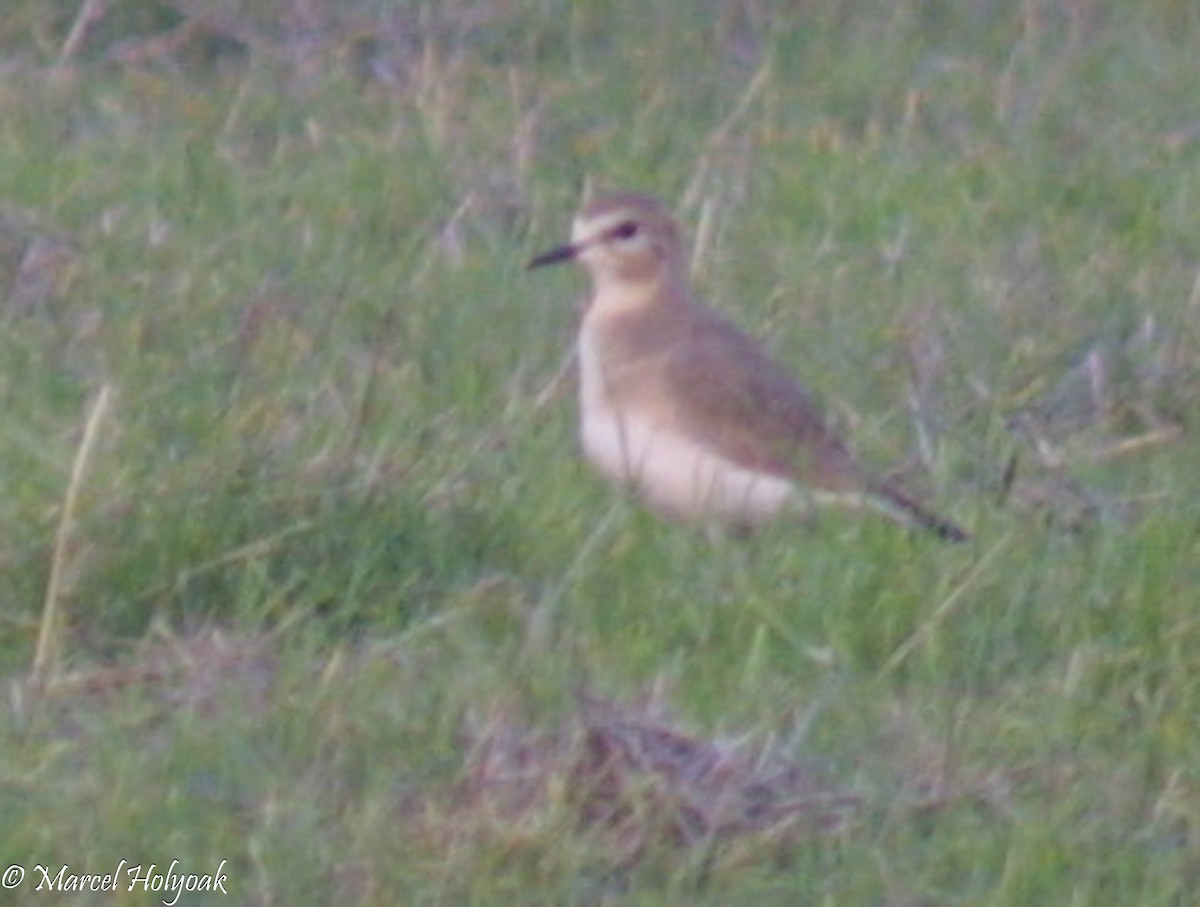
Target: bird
x=683 y=407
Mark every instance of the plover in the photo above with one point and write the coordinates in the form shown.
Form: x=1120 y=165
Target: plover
x=681 y=405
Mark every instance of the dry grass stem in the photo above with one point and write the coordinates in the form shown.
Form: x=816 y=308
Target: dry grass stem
x=48 y=641
x=949 y=603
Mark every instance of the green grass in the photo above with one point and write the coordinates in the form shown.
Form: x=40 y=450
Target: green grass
x=332 y=540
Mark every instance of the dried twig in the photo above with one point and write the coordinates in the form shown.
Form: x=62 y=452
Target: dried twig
x=90 y=12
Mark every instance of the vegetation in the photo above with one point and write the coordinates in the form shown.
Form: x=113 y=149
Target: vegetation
x=299 y=568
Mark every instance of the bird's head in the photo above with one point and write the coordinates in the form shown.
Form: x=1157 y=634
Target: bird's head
x=624 y=240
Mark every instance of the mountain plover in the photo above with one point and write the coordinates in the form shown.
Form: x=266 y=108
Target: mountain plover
x=679 y=404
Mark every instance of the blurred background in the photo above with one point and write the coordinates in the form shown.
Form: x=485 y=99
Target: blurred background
x=298 y=564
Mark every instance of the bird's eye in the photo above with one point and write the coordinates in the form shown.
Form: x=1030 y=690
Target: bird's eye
x=626 y=230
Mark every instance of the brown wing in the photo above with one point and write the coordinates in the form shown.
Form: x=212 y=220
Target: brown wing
x=736 y=400
x=715 y=385
x=757 y=415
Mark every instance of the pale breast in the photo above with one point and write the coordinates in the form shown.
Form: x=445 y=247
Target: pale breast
x=674 y=474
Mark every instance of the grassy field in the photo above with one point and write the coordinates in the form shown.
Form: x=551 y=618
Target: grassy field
x=300 y=569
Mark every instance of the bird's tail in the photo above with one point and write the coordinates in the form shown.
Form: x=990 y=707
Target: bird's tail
x=899 y=506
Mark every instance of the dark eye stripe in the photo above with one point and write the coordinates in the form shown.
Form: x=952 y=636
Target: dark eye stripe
x=625 y=230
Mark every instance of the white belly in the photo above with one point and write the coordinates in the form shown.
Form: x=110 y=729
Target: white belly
x=678 y=477
x=672 y=473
